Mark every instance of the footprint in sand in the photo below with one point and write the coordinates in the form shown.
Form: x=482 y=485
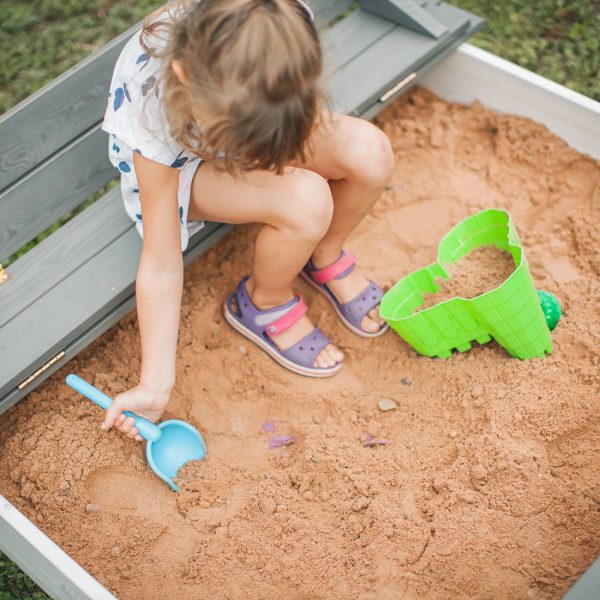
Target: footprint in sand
x=388 y=586
x=237 y=499
x=574 y=185
x=574 y=450
x=122 y=492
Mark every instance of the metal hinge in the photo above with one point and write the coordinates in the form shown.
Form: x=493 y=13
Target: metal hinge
x=41 y=370
x=392 y=91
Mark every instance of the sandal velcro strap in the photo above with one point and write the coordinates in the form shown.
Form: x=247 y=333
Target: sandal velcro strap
x=344 y=263
x=292 y=316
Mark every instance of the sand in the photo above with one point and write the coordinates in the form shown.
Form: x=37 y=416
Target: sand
x=488 y=483
x=483 y=269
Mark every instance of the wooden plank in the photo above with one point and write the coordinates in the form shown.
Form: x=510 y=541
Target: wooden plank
x=473 y=74
x=71 y=351
x=40 y=332
x=49 y=566
x=66 y=250
x=348 y=38
x=326 y=10
x=374 y=109
x=58 y=113
x=82 y=299
x=54 y=188
x=390 y=59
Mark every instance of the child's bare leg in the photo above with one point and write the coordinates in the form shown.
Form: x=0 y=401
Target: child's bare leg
x=296 y=209
x=357 y=159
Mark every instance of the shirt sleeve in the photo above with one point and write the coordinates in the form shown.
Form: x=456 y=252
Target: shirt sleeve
x=135 y=113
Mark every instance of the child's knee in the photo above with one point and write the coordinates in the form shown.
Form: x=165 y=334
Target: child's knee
x=310 y=204
x=370 y=156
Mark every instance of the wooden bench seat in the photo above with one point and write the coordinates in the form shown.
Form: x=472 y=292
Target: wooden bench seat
x=80 y=280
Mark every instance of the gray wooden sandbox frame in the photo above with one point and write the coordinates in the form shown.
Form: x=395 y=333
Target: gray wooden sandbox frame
x=80 y=281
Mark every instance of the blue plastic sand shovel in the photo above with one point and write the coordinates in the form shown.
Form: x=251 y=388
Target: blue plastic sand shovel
x=171 y=444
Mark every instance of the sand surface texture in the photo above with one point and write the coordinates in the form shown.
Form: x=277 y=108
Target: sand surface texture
x=484 y=269
x=484 y=483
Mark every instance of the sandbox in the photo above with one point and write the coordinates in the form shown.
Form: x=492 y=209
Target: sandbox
x=488 y=485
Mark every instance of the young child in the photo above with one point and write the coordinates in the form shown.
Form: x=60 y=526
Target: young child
x=215 y=113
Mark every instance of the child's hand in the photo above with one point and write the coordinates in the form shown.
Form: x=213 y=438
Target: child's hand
x=138 y=400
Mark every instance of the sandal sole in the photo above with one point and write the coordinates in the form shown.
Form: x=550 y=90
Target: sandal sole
x=343 y=319
x=280 y=360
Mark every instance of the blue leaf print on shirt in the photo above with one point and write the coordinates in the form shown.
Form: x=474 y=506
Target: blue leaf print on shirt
x=121 y=93
x=124 y=167
x=148 y=85
x=138 y=151
x=181 y=214
x=135 y=191
x=138 y=216
x=143 y=59
x=179 y=161
x=118 y=99
x=116 y=148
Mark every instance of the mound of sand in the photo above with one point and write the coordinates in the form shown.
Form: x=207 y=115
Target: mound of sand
x=484 y=269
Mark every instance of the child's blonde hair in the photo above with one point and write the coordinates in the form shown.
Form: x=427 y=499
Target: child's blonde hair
x=251 y=96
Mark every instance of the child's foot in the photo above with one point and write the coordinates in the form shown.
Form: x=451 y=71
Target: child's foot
x=354 y=297
x=285 y=333
x=348 y=288
x=328 y=357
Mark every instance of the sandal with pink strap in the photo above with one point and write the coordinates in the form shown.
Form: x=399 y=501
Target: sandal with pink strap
x=260 y=326
x=351 y=313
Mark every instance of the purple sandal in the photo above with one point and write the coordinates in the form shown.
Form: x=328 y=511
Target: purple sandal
x=351 y=313
x=260 y=326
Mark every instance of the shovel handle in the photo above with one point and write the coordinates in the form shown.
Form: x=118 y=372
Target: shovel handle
x=147 y=429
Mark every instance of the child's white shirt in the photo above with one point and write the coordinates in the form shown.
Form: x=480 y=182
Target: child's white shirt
x=136 y=121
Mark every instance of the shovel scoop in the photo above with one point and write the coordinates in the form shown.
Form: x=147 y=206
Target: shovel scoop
x=170 y=444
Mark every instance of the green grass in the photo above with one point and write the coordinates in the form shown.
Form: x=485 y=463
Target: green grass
x=15 y=585
x=40 y=39
x=44 y=234
x=559 y=39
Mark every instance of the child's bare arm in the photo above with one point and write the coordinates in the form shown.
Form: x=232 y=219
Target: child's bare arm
x=158 y=287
